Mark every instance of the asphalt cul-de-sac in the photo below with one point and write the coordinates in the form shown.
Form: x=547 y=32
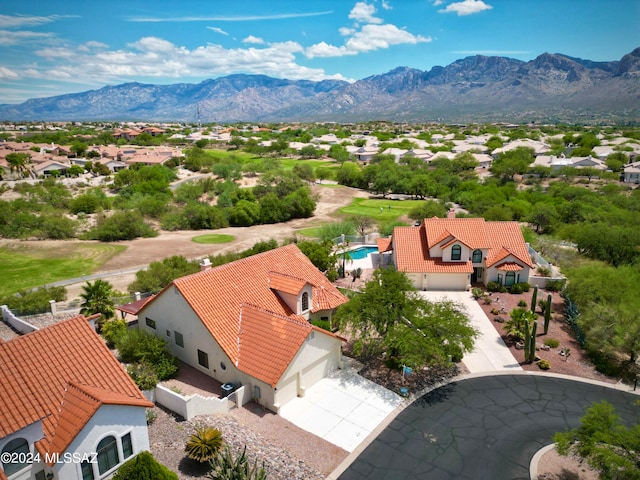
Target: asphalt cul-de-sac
x=481 y=428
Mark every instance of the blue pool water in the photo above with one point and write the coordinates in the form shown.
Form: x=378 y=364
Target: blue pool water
x=362 y=252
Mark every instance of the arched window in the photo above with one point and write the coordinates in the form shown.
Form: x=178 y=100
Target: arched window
x=107 y=454
x=305 y=301
x=17 y=445
x=456 y=252
x=477 y=256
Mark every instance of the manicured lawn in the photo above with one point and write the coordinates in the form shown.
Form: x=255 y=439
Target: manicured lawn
x=25 y=267
x=313 y=232
x=213 y=238
x=380 y=209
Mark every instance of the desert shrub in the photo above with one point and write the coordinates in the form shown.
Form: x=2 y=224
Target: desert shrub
x=35 y=301
x=144 y=467
x=544 y=364
x=138 y=346
x=544 y=271
x=477 y=293
x=112 y=330
x=551 y=343
x=522 y=303
x=151 y=415
x=323 y=324
x=487 y=300
x=203 y=444
x=495 y=311
x=518 y=288
x=494 y=287
x=555 y=285
x=143 y=375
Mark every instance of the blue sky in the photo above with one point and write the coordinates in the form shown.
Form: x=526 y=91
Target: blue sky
x=54 y=47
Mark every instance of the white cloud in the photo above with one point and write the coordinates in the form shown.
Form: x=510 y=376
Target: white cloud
x=244 y=18
x=8 y=74
x=363 y=13
x=371 y=37
x=346 y=31
x=437 y=3
x=466 y=7
x=254 y=40
x=9 y=37
x=386 y=5
x=218 y=30
x=18 y=21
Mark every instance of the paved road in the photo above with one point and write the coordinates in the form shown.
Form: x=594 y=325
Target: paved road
x=481 y=428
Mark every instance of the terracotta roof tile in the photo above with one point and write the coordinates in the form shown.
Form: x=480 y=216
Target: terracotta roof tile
x=217 y=297
x=134 y=307
x=37 y=369
x=286 y=283
x=384 y=244
x=498 y=239
x=509 y=267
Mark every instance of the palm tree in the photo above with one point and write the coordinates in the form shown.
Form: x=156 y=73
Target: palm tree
x=97 y=298
x=204 y=444
x=20 y=163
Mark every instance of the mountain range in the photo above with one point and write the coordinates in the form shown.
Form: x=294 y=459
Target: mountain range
x=549 y=88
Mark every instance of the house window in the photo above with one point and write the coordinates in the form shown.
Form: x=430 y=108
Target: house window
x=41 y=475
x=18 y=447
x=305 y=301
x=87 y=471
x=203 y=359
x=127 y=446
x=223 y=366
x=179 y=339
x=500 y=278
x=477 y=256
x=456 y=252
x=107 y=454
x=256 y=392
x=150 y=323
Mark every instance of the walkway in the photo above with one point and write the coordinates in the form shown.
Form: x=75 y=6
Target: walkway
x=485 y=427
x=490 y=353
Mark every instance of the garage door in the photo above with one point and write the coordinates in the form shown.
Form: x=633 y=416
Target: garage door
x=447 y=282
x=317 y=371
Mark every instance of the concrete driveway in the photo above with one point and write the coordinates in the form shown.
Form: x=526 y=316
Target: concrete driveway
x=490 y=353
x=343 y=408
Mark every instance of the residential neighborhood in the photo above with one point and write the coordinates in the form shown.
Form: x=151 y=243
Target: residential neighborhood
x=297 y=287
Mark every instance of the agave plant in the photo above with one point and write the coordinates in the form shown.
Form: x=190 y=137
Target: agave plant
x=227 y=467
x=203 y=445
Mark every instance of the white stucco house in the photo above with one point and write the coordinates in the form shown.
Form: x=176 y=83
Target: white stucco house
x=248 y=323
x=69 y=410
x=453 y=253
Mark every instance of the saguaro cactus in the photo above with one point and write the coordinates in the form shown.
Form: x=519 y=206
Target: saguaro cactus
x=534 y=299
x=527 y=339
x=547 y=314
x=532 y=347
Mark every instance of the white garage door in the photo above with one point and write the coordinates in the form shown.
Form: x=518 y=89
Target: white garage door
x=287 y=391
x=452 y=282
x=317 y=371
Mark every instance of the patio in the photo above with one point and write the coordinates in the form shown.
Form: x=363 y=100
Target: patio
x=190 y=381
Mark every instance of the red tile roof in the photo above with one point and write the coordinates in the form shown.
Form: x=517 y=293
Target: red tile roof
x=60 y=375
x=224 y=297
x=384 y=244
x=509 y=267
x=498 y=239
x=134 y=307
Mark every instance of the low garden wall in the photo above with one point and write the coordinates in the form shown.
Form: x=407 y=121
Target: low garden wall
x=194 y=405
x=20 y=325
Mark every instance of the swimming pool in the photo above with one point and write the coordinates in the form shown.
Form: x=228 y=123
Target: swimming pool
x=362 y=252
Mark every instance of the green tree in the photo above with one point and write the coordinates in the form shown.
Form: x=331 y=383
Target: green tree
x=604 y=442
x=320 y=253
x=616 y=161
x=543 y=217
x=144 y=467
x=121 y=226
x=97 y=297
x=427 y=209
x=159 y=274
x=390 y=316
x=512 y=162
x=20 y=163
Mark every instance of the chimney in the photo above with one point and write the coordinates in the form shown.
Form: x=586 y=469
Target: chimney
x=137 y=296
x=451 y=213
x=205 y=265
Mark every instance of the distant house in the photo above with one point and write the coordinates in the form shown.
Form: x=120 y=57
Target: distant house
x=632 y=173
x=453 y=253
x=64 y=393
x=248 y=322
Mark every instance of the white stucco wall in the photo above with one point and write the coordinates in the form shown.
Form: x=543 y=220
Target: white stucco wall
x=113 y=420
x=491 y=273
